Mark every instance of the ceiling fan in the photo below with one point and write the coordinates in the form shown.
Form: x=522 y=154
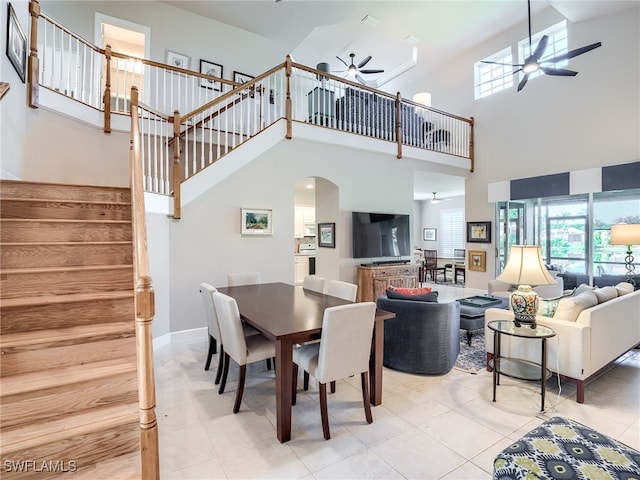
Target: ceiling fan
x=533 y=62
x=354 y=70
x=438 y=200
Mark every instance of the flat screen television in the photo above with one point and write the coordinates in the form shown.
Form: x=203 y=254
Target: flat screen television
x=377 y=235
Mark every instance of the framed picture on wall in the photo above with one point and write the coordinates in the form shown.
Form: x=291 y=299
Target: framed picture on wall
x=477 y=260
x=257 y=221
x=429 y=234
x=178 y=60
x=241 y=77
x=213 y=70
x=16 y=44
x=327 y=235
x=479 y=232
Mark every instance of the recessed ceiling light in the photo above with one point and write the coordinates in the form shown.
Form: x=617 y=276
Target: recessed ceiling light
x=412 y=39
x=374 y=22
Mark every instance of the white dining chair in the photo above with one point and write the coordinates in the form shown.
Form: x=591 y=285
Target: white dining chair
x=314 y=283
x=241 y=349
x=344 y=290
x=343 y=351
x=244 y=278
x=213 y=327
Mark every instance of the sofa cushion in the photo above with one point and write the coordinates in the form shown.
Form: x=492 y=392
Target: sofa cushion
x=623 y=288
x=605 y=293
x=570 y=307
x=419 y=294
x=583 y=287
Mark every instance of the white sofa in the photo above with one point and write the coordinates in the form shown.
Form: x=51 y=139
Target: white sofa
x=583 y=347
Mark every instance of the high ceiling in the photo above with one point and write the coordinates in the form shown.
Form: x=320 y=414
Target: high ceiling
x=316 y=31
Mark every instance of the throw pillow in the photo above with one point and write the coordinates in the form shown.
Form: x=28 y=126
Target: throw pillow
x=623 y=288
x=417 y=294
x=583 y=287
x=605 y=293
x=547 y=306
x=569 y=308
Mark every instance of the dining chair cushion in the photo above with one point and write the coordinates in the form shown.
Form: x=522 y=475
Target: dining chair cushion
x=344 y=290
x=314 y=283
x=206 y=292
x=244 y=278
x=343 y=355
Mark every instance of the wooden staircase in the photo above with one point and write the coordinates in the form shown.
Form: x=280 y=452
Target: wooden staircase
x=68 y=371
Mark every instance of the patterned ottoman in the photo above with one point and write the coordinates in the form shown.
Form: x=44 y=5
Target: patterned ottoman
x=563 y=449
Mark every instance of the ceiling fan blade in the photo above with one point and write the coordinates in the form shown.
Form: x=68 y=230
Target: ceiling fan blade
x=371 y=71
x=542 y=46
x=558 y=71
x=523 y=82
x=573 y=53
x=345 y=63
x=364 y=62
x=360 y=79
x=503 y=64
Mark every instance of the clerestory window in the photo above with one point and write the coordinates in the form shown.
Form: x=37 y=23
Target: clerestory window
x=493 y=77
x=557 y=45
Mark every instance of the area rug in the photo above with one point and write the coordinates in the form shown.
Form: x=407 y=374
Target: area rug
x=472 y=359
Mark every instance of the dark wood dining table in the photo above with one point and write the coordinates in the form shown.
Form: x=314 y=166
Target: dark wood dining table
x=289 y=315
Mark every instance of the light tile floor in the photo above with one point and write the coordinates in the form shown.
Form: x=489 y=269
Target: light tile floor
x=443 y=427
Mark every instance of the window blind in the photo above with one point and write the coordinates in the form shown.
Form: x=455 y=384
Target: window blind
x=452 y=231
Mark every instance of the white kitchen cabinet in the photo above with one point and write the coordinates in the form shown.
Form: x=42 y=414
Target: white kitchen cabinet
x=303 y=215
x=302 y=268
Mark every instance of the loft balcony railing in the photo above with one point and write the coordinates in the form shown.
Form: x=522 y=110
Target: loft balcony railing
x=189 y=120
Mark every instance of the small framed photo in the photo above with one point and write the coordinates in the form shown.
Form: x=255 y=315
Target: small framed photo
x=479 y=232
x=239 y=77
x=16 y=44
x=213 y=70
x=178 y=60
x=477 y=260
x=257 y=221
x=327 y=235
x=429 y=234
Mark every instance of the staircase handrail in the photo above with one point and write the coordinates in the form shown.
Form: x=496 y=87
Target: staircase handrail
x=144 y=308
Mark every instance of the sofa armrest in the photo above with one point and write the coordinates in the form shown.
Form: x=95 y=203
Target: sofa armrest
x=568 y=353
x=498 y=286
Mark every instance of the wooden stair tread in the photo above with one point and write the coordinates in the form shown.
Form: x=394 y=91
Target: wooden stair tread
x=42 y=433
x=63 y=220
x=58 y=336
x=57 y=200
x=27 y=382
x=72 y=298
x=76 y=268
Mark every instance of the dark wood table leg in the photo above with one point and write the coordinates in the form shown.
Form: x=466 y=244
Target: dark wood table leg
x=284 y=394
x=375 y=363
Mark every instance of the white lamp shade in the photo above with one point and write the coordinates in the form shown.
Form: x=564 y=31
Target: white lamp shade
x=423 y=98
x=526 y=267
x=625 y=234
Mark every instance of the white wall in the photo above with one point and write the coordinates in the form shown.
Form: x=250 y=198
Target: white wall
x=206 y=243
x=555 y=124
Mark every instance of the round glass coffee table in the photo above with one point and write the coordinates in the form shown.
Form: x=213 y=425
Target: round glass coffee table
x=515 y=367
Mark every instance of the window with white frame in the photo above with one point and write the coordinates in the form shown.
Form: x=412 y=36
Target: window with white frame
x=493 y=77
x=557 y=45
x=451 y=231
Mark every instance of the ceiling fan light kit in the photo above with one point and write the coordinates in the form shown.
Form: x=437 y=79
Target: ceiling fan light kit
x=354 y=70
x=534 y=62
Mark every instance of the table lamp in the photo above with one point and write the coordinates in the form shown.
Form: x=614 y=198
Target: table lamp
x=525 y=268
x=626 y=234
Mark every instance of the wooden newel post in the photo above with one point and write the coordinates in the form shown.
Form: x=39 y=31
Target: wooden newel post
x=472 y=146
x=33 y=66
x=106 y=99
x=145 y=311
x=176 y=165
x=287 y=104
x=398 y=124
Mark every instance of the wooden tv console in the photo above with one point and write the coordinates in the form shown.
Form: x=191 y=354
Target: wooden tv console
x=373 y=280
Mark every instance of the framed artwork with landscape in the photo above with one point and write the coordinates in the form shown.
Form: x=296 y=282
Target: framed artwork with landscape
x=477 y=260
x=479 y=232
x=257 y=221
x=327 y=235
